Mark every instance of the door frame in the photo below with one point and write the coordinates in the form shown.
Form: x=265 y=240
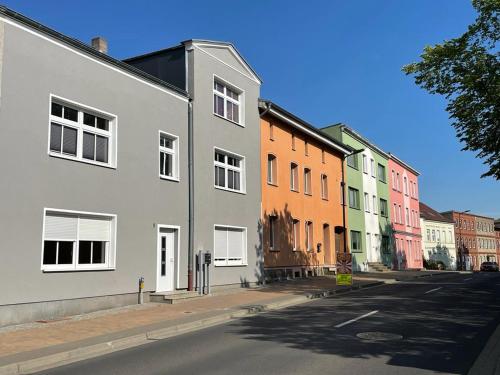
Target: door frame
x=177 y=245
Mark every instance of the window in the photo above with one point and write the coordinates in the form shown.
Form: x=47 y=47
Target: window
x=395 y=212
x=272 y=170
x=296 y=234
x=405 y=185
x=381 y=173
x=367 y=202
x=341 y=193
x=81 y=134
x=293 y=142
x=77 y=241
x=400 y=217
x=365 y=164
x=353 y=198
x=230 y=246
x=438 y=236
x=294 y=177
x=355 y=241
x=323 y=157
x=372 y=167
x=433 y=235
x=428 y=235
x=307 y=181
x=309 y=236
x=398 y=187
x=229 y=171
x=326 y=238
x=384 y=211
x=393 y=179
x=273 y=220
x=226 y=102
x=450 y=236
x=306 y=148
x=169 y=156
x=324 y=186
x=407 y=217
x=352 y=161
x=385 y=245
x=271 y=132
x=374 y=200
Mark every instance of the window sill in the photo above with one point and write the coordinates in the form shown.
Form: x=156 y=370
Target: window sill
x=295 y=191
x=355 y=208
x=308 y=194
x=230 y=190
x=84 y=161
x=79 y=269
x=272 y=184
x=175 y=179
x=228 y=120
x=231 y=265
x=274 y=250
x=325 y=199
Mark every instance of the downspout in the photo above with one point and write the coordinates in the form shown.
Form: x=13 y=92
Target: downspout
x=191 y=195
x=343 y=205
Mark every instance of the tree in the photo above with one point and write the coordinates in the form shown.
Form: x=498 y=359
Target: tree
x=466 y=71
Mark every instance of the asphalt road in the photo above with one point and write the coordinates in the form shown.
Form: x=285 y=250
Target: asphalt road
x=438 y=324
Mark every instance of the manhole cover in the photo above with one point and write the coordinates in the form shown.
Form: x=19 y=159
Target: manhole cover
x=379 y=336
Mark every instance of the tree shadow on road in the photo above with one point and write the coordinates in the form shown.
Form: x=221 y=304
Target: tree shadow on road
x=438 y=334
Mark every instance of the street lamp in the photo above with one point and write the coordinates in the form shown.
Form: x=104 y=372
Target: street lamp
x=460 y=240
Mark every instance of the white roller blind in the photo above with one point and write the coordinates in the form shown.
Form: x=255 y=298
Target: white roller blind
x=235 y=244
x=220 y=249
x=94 y=229
x=60 y=227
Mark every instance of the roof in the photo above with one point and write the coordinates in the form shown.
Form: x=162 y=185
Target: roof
x=428 y=213
x=403 y=164
x=268 y=107
x=229 y=45
x=359 y=137
x=466 y=213
x=88 y=50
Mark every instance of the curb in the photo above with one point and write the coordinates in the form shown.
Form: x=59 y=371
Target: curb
x=96 y=350
x=488 y=361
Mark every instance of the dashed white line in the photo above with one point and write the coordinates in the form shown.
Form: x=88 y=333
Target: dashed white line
x=356 y=319
x=433 y=290
x=469 y=278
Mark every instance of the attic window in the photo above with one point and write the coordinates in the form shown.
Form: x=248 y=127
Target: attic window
x=227 y=102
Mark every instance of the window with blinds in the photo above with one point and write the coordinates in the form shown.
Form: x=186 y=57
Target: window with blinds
x=230 y=246
x=78 y=241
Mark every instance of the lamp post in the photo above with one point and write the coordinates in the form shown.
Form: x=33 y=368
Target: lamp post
x=460 y=240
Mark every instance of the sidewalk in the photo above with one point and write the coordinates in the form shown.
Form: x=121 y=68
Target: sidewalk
x=33 y=347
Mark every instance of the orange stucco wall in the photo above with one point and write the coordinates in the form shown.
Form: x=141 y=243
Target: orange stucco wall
x=286 y=205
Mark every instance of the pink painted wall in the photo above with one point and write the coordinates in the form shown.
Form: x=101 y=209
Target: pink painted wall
x=405 y=216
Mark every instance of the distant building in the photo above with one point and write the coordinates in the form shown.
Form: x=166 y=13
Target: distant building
x=438 y=237
x=497 y=237
x=474 y=238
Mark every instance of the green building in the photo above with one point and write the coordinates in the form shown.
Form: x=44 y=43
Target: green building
x=367 y=197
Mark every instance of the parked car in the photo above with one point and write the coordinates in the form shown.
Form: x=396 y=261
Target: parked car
x=489 y=266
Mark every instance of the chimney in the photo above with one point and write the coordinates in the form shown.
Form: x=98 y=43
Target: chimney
x=100 y=44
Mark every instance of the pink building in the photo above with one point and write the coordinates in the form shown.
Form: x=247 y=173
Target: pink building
x=407 y=237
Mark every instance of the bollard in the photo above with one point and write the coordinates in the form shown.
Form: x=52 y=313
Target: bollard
x=141 y=290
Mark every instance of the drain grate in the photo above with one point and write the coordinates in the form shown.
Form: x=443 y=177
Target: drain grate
x=379 y=336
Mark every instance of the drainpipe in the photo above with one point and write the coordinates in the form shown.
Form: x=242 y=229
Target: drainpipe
x=343 y=205
x=191 y=195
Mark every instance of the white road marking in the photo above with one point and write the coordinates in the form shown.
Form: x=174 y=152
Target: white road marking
x=470 y=278
x=433 y=290
x=356 y=319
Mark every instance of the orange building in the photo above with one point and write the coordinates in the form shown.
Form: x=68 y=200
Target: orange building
x=302 y=204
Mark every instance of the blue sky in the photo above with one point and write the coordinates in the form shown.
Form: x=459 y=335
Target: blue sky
x=326 y=61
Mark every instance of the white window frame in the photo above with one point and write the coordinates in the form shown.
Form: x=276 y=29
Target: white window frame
x=365 y=164
x=295 y=236
x=324 y=186
x=226 y=263
x=241 y=169
x=309 y=235
x=108 y=265
x=240 y=102
x=80 y=127
x=294 y=183
x=174 y=152
x=272 y=169
x=372 y=168
x=367 y=202
x=307 y=181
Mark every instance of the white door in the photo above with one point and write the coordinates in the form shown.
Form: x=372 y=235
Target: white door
x=165 y=260
x=376 y=249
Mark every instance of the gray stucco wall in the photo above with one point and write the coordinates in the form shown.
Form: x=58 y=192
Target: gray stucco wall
x=1 y=57
x=214 y=206
x=33 y=68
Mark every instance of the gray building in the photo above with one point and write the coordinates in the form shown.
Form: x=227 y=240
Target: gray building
x=226 y=156
x=112 y=171
x=94 y=177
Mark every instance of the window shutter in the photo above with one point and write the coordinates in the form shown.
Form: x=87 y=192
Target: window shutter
x=95 y=229
x=60 y=227
x=235 y=244
x=220 y=249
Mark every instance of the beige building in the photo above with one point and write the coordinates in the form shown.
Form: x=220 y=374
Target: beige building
x=438 y=237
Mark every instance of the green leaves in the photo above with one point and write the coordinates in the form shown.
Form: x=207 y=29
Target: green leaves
x=466 y=71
